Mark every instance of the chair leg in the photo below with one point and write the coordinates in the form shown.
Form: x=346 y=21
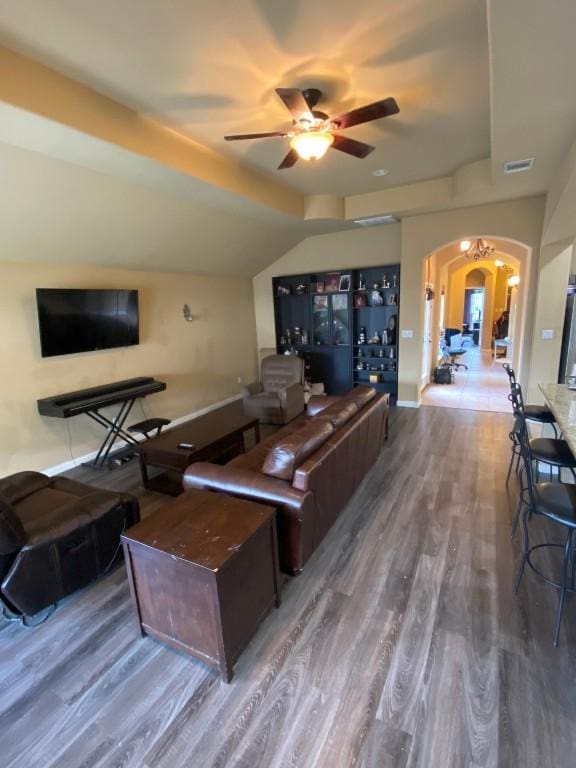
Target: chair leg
x=526 y=547
x=517 y=515
x=512 y=457
x=565 y=564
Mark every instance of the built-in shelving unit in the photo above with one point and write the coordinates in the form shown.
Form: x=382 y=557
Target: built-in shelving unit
x=321 y=317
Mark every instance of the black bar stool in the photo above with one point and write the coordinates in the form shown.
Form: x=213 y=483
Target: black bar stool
x=555 y=502
x=556 y=454
x=538 y=413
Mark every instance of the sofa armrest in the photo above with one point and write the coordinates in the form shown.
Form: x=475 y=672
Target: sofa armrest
x=291 y=396
x=12 y=536
x=243 y=482
x=317 y=403
x=252 y=389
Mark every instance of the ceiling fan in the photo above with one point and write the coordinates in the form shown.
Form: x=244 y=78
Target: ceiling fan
x=314 y=132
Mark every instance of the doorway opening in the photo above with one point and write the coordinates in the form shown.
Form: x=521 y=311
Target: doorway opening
x=477 y=321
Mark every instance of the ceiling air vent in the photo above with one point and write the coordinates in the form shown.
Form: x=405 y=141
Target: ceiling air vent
x=373 y=221
x=516 y=166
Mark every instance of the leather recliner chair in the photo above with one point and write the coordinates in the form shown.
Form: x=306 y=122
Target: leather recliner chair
x=56 y=536
x=279 y=396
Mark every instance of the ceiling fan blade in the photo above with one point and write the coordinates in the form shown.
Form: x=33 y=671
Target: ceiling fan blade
x=290 y=160
x=242 y=136
x=296 y=103
x=351 y=146
x=366 y=114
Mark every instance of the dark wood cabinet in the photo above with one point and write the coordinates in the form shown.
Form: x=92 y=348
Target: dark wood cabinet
x=320 y=316
x=203 y=573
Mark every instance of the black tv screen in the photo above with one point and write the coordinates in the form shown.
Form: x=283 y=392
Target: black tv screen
x=77 y=320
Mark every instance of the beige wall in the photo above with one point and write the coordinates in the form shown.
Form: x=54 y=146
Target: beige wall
x=554 y=270
x=339 y=250
x=200 y=361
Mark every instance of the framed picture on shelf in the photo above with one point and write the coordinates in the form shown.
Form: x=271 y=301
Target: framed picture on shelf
x=332 y=283
x=320 y=302
x=318 y=287
x=345 y=281
x=360 y=300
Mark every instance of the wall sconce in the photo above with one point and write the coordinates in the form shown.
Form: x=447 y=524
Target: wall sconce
x=513 y=281
x=498 y=263
x=187 y=312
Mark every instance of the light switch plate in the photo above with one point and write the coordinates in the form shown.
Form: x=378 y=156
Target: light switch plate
x=407 y=334
x=547 y=333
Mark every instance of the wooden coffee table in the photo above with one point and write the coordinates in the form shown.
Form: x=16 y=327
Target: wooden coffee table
x=203 y=573
x=216 y=436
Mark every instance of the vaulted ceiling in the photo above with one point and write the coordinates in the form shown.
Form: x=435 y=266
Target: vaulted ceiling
x=478 y=83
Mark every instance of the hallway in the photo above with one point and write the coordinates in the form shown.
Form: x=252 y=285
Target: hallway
x=483 y=387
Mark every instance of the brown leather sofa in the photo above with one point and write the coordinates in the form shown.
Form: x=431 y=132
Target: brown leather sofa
x=56 y=535
x=308 y=470
x=279 y=396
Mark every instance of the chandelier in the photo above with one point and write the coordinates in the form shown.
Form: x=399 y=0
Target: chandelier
x=477 y=250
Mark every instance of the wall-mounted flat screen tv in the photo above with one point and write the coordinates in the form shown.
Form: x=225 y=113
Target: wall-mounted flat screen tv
x=77 y=320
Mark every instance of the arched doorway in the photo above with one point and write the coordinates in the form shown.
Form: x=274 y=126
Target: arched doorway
x=477 y=304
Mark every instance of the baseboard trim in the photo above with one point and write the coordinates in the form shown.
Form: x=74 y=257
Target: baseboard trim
x=408 y=403
x=71 y=463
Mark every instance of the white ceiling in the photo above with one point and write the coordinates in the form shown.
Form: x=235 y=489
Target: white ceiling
x=211 y=68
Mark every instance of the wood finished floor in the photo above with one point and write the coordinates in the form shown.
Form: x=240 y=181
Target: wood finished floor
x=401 y=644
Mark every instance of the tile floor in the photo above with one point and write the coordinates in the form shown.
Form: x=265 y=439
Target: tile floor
x=483 y=387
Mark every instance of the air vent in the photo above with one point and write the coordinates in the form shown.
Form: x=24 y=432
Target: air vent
x=374 y=221
x=516 y=166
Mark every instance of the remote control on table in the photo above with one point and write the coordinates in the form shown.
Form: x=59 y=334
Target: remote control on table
x=186 y=445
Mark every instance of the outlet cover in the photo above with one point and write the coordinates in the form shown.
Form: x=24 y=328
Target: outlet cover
x=407 y=334
x=547 y=333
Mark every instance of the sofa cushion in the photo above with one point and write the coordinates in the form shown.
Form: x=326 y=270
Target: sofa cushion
x=338 y=414
x=12 y=536
x=292 y=450
x=361 y=395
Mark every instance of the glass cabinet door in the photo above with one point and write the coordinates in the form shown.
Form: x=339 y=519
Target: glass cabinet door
x=320 y=321
x=340 y=320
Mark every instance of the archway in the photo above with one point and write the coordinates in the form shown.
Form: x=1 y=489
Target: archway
x=455 y=278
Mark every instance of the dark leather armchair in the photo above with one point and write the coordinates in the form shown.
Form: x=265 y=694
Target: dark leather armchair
x=56 y=535
x=279 y=396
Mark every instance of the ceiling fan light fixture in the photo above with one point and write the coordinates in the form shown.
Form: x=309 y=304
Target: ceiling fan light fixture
x=312 y=145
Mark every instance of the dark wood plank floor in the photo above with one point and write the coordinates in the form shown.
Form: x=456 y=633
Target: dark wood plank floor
x=402 y=643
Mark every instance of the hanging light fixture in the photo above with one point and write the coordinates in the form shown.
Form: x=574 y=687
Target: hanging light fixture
x=312 y=145
x=477 y=250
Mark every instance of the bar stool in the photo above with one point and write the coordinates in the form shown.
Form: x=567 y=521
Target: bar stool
x=538 y=413
x=543 y=450
x=555 y=502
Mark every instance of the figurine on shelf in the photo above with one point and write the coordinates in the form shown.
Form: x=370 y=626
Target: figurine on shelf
x=376 y=299
x=301 y=289
x=382 y=367
x=361 y=283
x=360 y=353
x=375 y=339
x=359 y=365
x=392 y=300
x=385 y=337
x=360 y=300
x=381 y=351
x=394 y=281
x=376 y=285
x=392 y=329
x=362 y=336
x=392 y=353
x=385 y=282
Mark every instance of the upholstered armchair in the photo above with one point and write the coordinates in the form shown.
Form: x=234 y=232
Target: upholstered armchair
x=56 y=535
x=279 y=395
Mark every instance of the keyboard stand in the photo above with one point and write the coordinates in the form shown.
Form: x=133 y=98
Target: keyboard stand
x=114 y=430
